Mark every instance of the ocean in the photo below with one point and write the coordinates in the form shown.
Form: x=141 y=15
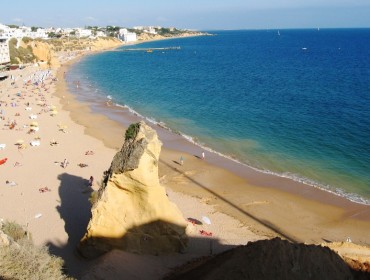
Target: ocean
x=295 y=103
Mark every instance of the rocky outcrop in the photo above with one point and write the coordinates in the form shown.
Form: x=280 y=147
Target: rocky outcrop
x=133 y=212
x=44 y=52
x=271 y=259
x=149 y=37
x=356 y=256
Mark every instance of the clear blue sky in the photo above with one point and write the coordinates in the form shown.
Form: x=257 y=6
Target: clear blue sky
x=194 y=14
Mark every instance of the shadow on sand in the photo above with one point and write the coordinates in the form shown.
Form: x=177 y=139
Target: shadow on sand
x=267 y=224
x=74 y=209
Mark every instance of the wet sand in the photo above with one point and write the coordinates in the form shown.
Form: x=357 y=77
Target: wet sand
x=243 y=204
x=272 y=204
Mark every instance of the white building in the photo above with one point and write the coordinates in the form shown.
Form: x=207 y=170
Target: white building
x=138 y=28
x=100 y=34
x=22 y=31
x=40 y=33
x=4 y=51
x=150 y=30
x=126 y=36
x=83 y=32
x=147 y=29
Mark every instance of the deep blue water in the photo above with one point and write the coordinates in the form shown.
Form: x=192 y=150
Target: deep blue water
x=297 y=104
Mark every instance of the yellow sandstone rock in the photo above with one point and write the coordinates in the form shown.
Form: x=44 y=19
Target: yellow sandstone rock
x=133 y=212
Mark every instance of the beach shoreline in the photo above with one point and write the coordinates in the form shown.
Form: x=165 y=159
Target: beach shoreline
x=176 y=145
x=243 y=204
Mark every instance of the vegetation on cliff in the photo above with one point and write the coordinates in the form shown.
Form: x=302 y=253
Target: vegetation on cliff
x=38 y=50
x=132 y=211
x=20 y=54
x=21 y=259
x=132 y=131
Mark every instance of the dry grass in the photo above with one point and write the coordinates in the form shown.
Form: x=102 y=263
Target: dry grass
x=23 y=260
x=93 y=197
x=14 y=230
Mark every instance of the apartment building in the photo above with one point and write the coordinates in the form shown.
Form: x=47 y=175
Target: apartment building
x=126 y=36
x=4 y=51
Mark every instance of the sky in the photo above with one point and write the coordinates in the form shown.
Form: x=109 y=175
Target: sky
x=190 y=14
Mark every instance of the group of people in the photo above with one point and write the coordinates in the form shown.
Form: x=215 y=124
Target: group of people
x=65 y=163
x=182 y=158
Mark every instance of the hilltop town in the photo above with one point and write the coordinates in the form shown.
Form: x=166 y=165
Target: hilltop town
x=18 y=44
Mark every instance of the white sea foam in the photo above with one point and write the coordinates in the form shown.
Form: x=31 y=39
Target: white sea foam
x=335 y=191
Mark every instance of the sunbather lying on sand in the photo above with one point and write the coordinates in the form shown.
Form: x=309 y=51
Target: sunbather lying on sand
x=54 y=143
x=205 y=233
x=45 y=189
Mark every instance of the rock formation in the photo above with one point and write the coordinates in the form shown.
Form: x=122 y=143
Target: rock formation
x=51 y=52
x=356 y=256
x=271 y=259
x=132 y=211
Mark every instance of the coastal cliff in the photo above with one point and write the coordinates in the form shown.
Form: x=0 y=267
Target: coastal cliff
x=52 y=53
x=150 y=37
x=132 y=211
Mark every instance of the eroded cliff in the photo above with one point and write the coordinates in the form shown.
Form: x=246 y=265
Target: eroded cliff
x=132 y=211
x=52 y=53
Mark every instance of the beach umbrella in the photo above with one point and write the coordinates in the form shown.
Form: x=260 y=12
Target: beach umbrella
x=206 y=220
x=19 y=142
x=34 y=124
x=54 y=112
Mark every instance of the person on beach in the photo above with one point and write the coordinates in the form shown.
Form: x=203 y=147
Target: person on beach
x=181 y=160
x=91 y=181
x=65 y=163
x=203 y=155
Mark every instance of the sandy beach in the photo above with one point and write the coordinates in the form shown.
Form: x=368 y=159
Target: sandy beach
x=51 y=199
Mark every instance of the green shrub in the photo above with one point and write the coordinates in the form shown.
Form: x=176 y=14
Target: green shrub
x=13 y=42
x=17 y=55
x=168 y=31
x=26 y=40
x=132 y=131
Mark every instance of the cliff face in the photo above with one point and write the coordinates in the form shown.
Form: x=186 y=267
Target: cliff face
x=105 y=43
x=149 y=37
x=51 y=51
x=44 y=52
x=133 y=212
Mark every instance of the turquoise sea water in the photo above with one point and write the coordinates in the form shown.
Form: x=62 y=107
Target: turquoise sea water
x=295 y=104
